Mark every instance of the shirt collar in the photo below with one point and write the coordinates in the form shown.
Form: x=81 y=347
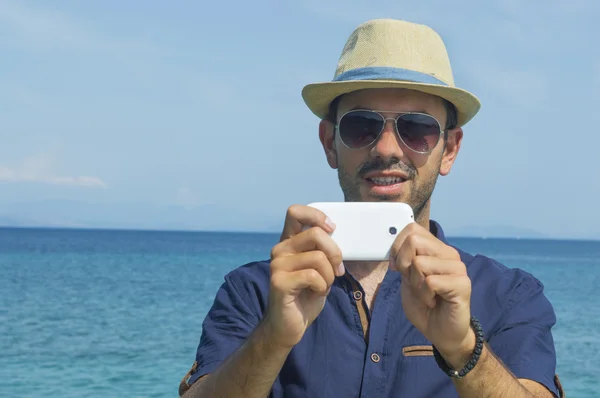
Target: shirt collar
x=436 y=229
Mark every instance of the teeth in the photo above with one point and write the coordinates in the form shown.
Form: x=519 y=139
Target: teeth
x=386 y=180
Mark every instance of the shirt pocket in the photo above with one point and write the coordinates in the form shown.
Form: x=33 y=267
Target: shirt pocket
x=417 y=351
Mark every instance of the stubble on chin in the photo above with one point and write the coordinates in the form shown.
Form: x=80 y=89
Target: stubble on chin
x=416 y=195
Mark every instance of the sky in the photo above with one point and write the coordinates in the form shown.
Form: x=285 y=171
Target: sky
x=133 y=111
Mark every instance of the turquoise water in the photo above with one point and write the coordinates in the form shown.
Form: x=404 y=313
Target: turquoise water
x=119 y=313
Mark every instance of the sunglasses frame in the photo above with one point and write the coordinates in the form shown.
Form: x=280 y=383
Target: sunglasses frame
x=385 y=119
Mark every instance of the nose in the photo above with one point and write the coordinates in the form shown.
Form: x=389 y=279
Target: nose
x=388 y=145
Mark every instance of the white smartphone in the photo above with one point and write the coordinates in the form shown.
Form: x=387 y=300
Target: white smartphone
x=365 y=231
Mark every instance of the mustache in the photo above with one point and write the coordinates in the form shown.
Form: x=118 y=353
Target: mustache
x=392 y=165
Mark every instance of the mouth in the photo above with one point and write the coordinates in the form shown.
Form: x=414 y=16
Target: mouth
x=387 y=180
x=386 y=184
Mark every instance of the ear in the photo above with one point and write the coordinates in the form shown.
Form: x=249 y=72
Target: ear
x=327 y=137
x=453 y=142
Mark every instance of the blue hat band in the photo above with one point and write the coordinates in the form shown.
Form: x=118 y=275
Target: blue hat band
x=388 y=73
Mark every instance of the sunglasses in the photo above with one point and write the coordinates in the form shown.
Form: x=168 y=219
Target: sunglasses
x=360 y=128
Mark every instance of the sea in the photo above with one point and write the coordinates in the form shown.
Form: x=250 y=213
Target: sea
x=114 y=313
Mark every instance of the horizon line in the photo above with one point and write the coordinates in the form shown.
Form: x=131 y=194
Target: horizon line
x=268 y=232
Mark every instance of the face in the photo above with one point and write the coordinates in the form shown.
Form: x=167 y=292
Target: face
x=388 y=170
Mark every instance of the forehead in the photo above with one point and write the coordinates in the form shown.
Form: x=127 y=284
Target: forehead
x=393 y=100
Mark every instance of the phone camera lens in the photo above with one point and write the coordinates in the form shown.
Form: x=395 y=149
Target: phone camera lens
x=393 y=230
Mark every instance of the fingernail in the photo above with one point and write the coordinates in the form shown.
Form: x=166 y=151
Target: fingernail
x=341 y=269
x=330 y=223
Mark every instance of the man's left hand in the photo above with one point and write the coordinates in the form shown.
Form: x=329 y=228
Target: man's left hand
x=436 y=292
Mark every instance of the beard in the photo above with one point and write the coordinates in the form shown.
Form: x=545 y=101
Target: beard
x=417 y=196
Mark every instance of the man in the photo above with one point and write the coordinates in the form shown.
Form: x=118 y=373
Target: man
x=433 y=321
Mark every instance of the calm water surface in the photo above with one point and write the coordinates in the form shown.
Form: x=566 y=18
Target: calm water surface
x=119 y=313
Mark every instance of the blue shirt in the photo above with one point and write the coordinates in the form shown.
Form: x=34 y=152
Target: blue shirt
x=336 y=359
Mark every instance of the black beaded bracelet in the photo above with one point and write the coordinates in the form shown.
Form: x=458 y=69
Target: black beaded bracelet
x=457 y=374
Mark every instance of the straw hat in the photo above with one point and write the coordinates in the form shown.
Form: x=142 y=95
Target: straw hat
x=384 y=53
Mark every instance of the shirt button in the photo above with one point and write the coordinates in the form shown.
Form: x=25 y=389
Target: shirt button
x=358 y=295
x=375 y=357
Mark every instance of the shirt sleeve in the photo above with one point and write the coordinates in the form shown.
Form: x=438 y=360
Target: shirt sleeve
x=524 y=339
x=235 y=313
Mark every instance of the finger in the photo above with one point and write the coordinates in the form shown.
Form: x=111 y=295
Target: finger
x=316 y=260
x=299 y=216
x=414 y=241
x=294 y=282
x=310 y=240
x=422 y=292
x=422 y=267
x=452 y=288
x=426 y=265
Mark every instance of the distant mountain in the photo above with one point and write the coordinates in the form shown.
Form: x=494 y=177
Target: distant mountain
x=497 y=231
x=79 y=214
x=212 y=217
x=8 y=221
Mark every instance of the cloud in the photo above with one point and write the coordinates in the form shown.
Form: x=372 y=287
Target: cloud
x=187 y=198
x=38 y=169
x=52 y=29
x=13 y=175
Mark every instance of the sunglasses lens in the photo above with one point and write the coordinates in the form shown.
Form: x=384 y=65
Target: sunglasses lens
x=419 y=132
x=359 y=129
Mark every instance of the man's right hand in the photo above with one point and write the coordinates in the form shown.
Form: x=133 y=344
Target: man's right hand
x=304 y=265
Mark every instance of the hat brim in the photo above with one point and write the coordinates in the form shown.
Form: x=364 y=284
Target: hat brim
x=318 y=96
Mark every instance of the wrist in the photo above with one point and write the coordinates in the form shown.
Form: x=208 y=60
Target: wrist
x=266 y=335
x=457 y=363
x=458 y=357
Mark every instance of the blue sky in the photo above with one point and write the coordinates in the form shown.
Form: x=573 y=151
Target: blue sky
x=197 y=103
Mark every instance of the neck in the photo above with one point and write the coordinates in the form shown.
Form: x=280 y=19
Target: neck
x=369 y=275
x=362 y=270
x=422 y=215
